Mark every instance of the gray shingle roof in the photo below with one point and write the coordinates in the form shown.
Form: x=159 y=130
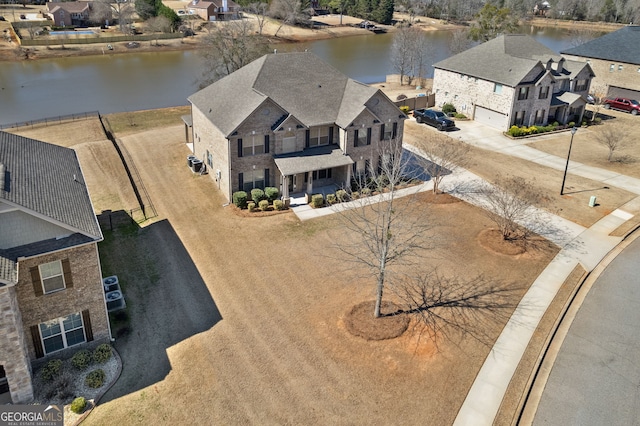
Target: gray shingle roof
x=301 y=83
x=311 y=159
x=46 y=180
x=622 y=45
x=506 y=59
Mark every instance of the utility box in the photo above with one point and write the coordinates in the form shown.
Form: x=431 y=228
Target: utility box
x=592 y=201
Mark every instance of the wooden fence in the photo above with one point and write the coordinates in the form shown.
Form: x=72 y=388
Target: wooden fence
x=418 y=102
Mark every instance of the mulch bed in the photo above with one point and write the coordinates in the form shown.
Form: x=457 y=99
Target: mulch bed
x=360 y=321
x=491 y=239
x=256 y=213
x=439 y=198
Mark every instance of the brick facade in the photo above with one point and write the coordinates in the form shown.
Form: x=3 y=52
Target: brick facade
x=85 y=294
x=611 y=73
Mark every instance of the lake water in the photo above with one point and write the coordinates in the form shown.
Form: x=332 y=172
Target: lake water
x=108 y=83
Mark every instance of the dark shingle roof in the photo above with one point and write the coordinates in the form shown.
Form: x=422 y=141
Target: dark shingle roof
x=620 y=46
x=506 y=59
x=301 y=83
x=46 y=180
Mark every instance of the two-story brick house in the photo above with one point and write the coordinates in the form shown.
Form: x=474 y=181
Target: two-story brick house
x=64 y=14
x=513 y=80
x=615 y=58
x=291 y=121
x=51 y=293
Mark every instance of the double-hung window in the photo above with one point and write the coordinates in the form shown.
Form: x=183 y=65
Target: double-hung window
x=319 y=136
x=52 y=276
x=523 y=93
x=253 y=145
x=497 y=88
x=62 y=333
x=544 y=92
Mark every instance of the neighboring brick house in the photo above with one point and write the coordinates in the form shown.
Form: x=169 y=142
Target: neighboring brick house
x=513 y=80
x=71 y=13
x=51 y=293
x=615 y=58
x=216 y=10
x=291 y=121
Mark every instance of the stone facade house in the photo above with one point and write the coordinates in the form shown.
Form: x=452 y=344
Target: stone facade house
x=513 y=80
x=291 y=121
x=64 y=14
x=216 y=10
x=615 y=58
x=51 y=293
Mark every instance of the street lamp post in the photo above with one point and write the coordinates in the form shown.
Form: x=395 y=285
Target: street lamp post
x=574 y=129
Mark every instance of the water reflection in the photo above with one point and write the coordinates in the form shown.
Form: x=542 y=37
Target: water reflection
x=109 y=83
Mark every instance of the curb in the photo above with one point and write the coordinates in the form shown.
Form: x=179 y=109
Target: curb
x=528 y=408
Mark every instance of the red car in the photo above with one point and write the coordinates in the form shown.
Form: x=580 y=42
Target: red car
x=623 y=104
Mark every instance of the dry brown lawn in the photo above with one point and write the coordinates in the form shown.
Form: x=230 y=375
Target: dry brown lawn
x=240 y=320
x=587 y=150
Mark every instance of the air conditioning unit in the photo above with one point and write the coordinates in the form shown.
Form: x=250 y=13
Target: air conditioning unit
x=111 y=283
x=115 y=300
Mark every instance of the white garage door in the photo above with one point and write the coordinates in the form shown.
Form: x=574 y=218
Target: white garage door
x=491 y=118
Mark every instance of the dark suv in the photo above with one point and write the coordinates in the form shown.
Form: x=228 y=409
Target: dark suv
x=630 y=105
x=434 y=118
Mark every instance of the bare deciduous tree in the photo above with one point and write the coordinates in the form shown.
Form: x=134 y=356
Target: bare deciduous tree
x=510 y=205
x=119 y=10
x=441 y=156
x=289 y=12
x=158 y=24
x=229 y=47
x=613 y=137
x=460 y=41
x=389 y=231
x=409 y=53
x=259 y=10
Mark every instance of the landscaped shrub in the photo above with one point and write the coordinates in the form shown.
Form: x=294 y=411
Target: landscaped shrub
x=81 y=359
x=571 y=123
x=332 y=199
x=271 y=193
x=102 y=354
x=95 y=379
x=278 y=205
x=355 y=195
x=264 y=205
x=341 y=195
x=51 y=370
x=62 y=387
x=597 y=120
x=257 y=194
x=448 y=109
x=317 y=200
x=405 y=109
x=240 y=199
x=251 y=206
x=78 y=405
x=365 y=192
x=460 y=116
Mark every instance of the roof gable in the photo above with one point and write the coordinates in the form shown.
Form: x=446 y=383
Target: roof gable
x=46 y=181
x=506 y=59
x=302 y=84
x=622 y=45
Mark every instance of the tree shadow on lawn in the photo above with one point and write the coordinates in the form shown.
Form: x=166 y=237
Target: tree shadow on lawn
x=167 y=302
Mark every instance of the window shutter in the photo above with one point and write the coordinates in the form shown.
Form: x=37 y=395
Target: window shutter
x=37 y=344
x=86 y=320
x=394 y=132
x=66 y=270
x=355 y=138
x=307 y=136
x=382 y=131
x=241 y=181
x=331 y=135
x=37 y=283
x=266 y=177
x=239 y=147
x=266 y=144
x=369 y=136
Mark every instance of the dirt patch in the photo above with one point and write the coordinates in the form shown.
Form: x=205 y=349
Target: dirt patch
x=439 y=198
x=361 y=322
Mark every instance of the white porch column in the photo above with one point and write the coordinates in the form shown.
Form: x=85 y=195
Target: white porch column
x=348 y=182
x=309 y=183
x=285 y=190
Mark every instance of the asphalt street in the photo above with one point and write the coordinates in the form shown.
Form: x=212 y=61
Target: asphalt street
x=596 y=376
